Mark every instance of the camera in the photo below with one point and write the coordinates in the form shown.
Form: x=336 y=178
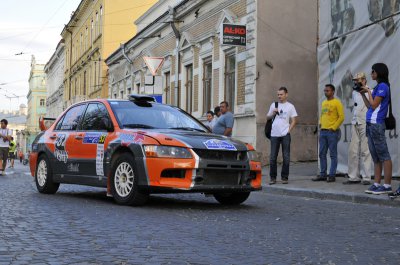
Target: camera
x=357 y=86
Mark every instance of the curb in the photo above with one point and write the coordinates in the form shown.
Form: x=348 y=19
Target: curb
x=337 y=196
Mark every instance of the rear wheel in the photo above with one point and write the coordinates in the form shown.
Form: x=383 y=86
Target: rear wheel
x=233 y=198
x=124 y=187
x=44 y=177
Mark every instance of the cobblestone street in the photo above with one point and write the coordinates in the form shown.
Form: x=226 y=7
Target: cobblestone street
x=80 y=225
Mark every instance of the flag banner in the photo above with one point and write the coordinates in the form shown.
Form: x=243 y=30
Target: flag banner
x=354 y=35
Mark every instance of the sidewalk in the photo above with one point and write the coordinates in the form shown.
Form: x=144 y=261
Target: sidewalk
x=300 y=184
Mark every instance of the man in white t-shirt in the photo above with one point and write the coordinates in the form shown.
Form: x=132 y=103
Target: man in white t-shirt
x=285 y=120
x=5 y=137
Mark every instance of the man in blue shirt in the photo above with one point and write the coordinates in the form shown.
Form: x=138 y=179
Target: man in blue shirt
x=224 y=124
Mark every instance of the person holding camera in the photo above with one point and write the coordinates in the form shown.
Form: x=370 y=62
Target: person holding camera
x=5 y=137
x=378 y=105
x=358 y=148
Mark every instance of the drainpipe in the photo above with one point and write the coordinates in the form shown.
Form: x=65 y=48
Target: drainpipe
x=124 y=54
x=178 y=37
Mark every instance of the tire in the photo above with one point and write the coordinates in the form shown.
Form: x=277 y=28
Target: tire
x=124 y=182
x=234 y=198
x=44 y=177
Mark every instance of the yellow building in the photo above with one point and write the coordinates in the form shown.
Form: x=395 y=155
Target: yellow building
x=95 y=30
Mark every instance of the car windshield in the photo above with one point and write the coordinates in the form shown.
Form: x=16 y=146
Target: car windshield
x=154 y=116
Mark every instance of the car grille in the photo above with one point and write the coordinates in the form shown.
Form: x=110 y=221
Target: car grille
x=221 y=155
x=212 y=177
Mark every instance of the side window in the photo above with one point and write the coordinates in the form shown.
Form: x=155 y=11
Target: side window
x=71 y=119
x=58 y=126
x=96 y=118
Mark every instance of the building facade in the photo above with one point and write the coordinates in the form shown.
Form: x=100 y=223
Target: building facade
x=37 y=96
x=96 y=28
x=54 y=70
x=199 y=71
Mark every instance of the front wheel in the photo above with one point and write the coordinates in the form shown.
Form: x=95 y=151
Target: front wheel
x=124 y=179
x=44 y=177
x=234 y=198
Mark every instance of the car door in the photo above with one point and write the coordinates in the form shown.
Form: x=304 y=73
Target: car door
x=62 y=139
x=91 y=138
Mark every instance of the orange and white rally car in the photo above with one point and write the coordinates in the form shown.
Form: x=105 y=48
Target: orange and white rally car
x=136 y=147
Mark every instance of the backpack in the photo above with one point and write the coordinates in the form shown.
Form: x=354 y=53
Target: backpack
x=268 y=125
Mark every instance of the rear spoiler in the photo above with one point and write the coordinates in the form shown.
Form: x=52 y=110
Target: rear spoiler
x=45 y=123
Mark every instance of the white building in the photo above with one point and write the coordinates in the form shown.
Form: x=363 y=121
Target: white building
x=54 y=70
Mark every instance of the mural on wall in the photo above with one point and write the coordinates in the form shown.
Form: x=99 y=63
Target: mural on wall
x=355 y=34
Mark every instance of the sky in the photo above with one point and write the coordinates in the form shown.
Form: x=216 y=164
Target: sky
x=27 y=27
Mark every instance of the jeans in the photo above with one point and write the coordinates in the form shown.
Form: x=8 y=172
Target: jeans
x=377 y=142
x=328 y=140
x=275 y=144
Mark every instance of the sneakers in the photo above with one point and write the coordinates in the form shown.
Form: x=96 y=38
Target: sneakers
x=331 y=179
x=366 y=182
x=285 y=181
x=382 y=190
x=378 y=190
x=3 y=173
x=272 y=182
x=371 y=189
x=319 y=178
x=394 y=195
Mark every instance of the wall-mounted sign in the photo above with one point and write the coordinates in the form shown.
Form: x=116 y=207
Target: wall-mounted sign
x=233 y=34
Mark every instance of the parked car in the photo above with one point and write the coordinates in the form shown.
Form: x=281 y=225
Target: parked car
x=137 y=147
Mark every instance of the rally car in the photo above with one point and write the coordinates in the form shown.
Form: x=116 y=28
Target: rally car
x=136 y=147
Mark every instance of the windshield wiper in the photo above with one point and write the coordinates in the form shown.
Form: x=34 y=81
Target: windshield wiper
x=138 y=125
x=187 y=129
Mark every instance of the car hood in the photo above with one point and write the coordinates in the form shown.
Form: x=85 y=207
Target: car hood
x=197 y=140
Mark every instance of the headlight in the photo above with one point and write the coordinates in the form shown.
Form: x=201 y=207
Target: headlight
x=253 y=156
x=166 y=151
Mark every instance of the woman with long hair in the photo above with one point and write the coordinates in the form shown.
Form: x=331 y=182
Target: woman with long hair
x=378 y=104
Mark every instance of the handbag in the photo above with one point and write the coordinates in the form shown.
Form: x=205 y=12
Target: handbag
x=268 y=125
x=390 y=120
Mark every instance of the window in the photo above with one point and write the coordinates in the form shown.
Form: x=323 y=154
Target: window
x=167 y=88
x=230 y=70
x=81 y=44
x=76 y=87
x=84 y=83
x=129 y=90
x=91 y=31
x=189 y=88
x=96 y=118
x=101 y=20
x=71 y=119
x=96 y=25
x=122 y=94
x=207 y=83
x=86 y=38
x=115 y=95
x=138 y=88
x=42 y=102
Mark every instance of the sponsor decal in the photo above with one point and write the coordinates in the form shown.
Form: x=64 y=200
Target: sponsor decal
x=94 y=138
x=215 y=144
x=131 y=138
x=73 y=167
x=60 y=153
x=99 y=160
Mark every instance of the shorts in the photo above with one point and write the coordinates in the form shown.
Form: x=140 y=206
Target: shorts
x=4 y=153
x=377 y=142
x=11 y=155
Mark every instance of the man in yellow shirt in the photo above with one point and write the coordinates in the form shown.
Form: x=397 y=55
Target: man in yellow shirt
x=332 y=116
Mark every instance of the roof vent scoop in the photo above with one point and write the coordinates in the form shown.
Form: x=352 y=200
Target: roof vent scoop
x=141 y=98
